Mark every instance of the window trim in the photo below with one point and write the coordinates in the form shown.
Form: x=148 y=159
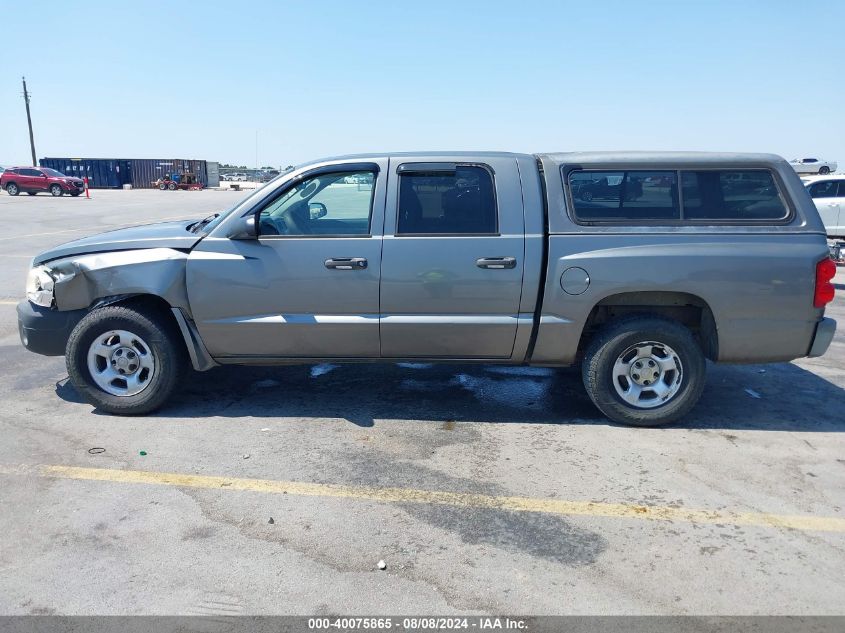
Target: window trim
x=417 y=167
x=570 y=210
x=318 y=171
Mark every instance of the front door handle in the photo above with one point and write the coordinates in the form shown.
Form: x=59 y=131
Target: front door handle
x=346 y=263
x=496 y=262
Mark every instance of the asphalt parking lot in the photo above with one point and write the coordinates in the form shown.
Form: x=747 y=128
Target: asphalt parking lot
x=484 y=489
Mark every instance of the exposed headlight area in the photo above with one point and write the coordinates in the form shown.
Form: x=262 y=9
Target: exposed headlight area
x=40 y=286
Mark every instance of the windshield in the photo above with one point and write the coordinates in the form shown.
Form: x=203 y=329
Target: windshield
x=53 y=173
x=254 y=195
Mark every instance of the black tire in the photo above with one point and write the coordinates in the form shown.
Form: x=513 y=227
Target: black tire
x=824 y=170
x=162 y=187
x=12 y=189
x=617 y=337
x=172 y=186
x=30 y=193
x=56 y=191
x=154 y=327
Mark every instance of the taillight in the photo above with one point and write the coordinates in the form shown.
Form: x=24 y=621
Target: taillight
x=825 y=271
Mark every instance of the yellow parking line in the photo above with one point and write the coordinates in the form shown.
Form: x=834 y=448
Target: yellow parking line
x=459 y=499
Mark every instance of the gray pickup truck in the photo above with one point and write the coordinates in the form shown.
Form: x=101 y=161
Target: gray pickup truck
x=638 y=266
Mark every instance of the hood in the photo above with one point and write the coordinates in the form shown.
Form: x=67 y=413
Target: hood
x=161 y=235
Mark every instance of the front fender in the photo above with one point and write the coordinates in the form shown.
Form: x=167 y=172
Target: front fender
x=82 y=280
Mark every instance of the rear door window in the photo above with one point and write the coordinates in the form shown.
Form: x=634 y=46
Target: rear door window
x=608 y=196
x=824 y=189
x=731 y=195
x=459 y=202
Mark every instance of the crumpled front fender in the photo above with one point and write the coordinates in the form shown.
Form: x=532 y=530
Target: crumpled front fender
x=83 y=279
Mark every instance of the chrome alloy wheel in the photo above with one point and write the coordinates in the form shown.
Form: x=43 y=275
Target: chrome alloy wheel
x=121 y=363
x=648 y=374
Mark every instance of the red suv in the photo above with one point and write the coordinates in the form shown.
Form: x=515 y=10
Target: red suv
x=33 y=180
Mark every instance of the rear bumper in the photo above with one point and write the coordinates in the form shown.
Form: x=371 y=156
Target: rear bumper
x=45 y=331
x=825 y=330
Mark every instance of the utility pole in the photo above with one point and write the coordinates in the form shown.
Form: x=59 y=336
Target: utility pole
x=29 y=122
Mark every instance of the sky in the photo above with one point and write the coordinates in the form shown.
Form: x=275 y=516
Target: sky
x=204 y=80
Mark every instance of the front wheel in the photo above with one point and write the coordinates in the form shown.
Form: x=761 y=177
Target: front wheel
x=56 y=191
x=824 y=170
x=124 y=360
x=172 y=186
x=644 y=371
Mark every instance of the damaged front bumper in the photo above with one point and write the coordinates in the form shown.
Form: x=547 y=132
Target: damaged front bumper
x=44 y=330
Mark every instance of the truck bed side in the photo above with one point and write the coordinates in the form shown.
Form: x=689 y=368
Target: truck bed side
x=745 y=291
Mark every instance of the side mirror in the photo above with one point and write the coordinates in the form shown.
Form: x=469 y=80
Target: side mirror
x=317 y=210
x=245 y=229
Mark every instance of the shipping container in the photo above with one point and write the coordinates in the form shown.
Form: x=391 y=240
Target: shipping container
x=113 y=173
x=145 y=171
x=213 y=172
x=102 y=173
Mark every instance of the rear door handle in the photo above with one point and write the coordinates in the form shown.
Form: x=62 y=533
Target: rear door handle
x=496 y=262
x=346 y=263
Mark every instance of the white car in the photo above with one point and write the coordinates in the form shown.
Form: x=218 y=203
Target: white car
x=828 y=193
x=813 y=165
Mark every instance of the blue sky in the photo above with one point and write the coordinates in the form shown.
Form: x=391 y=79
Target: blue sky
x=323 y=78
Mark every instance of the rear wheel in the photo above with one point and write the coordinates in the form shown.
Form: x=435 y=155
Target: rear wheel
x=824 y=170
x=12 y=189
x=56 y=191
x=125 y=360
x=644 y=371
x=172 y=186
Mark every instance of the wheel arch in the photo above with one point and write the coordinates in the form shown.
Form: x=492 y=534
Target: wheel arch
x=688 y=309
x=175 y=317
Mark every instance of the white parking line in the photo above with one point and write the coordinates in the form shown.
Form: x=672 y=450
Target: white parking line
x=100 y=228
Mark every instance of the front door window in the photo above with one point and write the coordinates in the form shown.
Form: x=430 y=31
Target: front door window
x=336 y=203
